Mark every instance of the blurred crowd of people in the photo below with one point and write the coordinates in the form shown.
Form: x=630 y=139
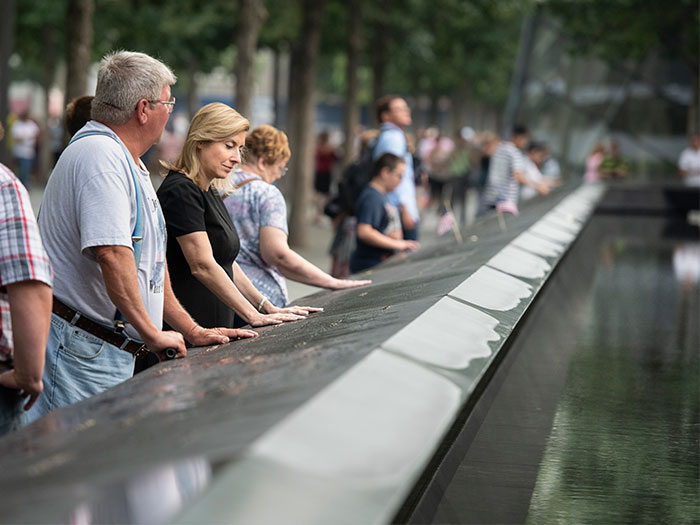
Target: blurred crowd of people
x=470 y=173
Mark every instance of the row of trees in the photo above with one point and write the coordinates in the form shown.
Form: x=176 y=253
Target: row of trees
x=359 y=49
x=462 y=51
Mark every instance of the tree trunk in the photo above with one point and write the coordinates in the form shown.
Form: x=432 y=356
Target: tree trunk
x=192 y=66
x=379 y=59
x=276 y=88
x=7 y=42
x=79 y=35
x=434 y=115
x=251 y=16
x=694 y=108
x=45 y=153
x=351 y=116
x=302 y=97
x=458 y=115
x=286 y=184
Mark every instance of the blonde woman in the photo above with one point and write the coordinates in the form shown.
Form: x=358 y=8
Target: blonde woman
x=202 y=240
x=258 y=210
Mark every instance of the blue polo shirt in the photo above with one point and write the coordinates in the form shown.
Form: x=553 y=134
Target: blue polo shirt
x=393 y=140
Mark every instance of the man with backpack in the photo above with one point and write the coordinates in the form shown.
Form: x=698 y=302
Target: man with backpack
x=341 y=207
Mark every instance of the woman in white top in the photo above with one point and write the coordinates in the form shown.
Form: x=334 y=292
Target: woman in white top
x=25 y=134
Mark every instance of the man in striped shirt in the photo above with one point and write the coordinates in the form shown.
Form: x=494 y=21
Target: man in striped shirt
x=507 y=173
x=25 y=303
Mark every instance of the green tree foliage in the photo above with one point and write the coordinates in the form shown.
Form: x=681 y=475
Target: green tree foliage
x=282 y=25
x=461 y=41
x=434 y=48
x=630 y=29
x=34 y=19
x=176 y=31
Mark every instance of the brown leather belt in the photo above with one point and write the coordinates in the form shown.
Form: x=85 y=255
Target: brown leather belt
x=120 y=340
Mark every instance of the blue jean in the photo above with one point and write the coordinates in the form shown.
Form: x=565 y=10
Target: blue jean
x=411 y=235
x=78 y=365
x=24 y=167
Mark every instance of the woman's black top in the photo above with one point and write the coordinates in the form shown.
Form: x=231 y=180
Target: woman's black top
x=188 y=209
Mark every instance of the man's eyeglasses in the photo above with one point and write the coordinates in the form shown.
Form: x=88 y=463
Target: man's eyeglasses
x=169 y=104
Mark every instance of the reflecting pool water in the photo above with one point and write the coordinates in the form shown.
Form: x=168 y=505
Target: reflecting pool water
x=624 y=444
x=593 y=416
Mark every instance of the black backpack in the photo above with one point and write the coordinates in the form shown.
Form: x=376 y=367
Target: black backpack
x=355 y=177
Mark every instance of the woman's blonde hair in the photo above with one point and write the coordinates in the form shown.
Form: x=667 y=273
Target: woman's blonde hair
x=215 y=122
x=267 y=143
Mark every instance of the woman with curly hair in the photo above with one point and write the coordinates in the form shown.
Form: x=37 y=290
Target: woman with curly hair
x=258 y=210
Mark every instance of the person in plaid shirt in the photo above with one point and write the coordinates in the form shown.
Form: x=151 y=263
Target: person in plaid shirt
x=25 y=303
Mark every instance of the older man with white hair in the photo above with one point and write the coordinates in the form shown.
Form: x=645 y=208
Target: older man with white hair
x=105 y=235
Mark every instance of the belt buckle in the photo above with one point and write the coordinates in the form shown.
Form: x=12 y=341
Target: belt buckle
x=141 y=352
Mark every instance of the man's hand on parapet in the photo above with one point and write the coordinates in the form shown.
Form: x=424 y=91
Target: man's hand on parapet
x=167 y=339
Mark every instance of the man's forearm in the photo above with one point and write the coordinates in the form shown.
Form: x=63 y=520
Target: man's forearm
x=119 y=274
x=30 y=310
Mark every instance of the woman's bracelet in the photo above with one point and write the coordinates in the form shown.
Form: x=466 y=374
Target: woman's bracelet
x=262 y=303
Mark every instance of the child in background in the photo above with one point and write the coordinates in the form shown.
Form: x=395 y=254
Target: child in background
x=376 y=238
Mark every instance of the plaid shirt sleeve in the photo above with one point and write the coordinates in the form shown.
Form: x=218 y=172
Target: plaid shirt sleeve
x=22 y=255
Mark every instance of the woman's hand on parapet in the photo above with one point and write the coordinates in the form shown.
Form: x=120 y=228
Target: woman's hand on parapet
x=239 y=333
x=299 y=310
x=340 y=284
x=201 y=336
x=276 y=318
x=213 y=336
x=270 y=308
